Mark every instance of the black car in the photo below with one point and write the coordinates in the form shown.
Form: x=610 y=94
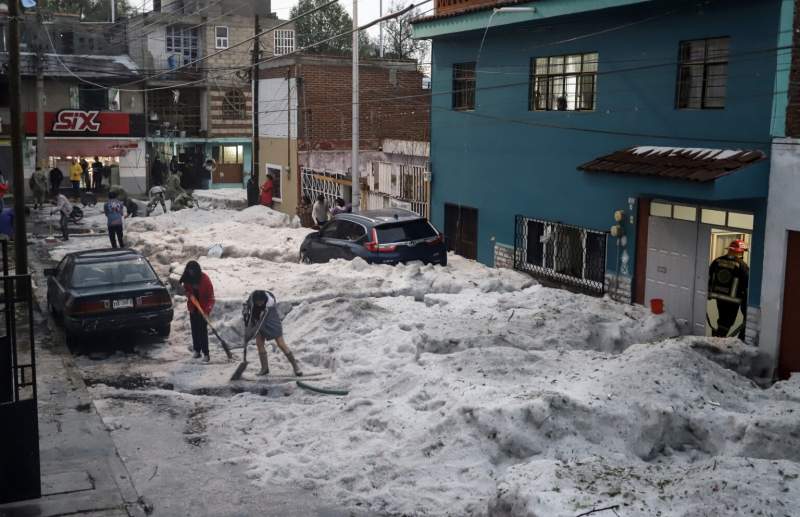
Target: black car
x=387 y=236
x=107 y=290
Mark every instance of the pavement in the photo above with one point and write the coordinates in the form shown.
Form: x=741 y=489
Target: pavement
x=81 y=470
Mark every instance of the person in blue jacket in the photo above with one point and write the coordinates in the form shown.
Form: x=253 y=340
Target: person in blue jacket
x=114 y=210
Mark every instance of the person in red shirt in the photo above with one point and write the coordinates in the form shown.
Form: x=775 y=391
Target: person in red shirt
x=266 y=192
x=197 y=285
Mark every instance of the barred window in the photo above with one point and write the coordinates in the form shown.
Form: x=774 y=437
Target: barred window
x=563 y=83
x=284 y=42
x=464 y=86
x=703 y=74
x=234 y=105
x=182 y=42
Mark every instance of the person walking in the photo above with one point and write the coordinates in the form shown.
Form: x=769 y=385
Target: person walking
x=87 y=181
x=97 y=174
x=64 y=208
x=261 y=319
x=198 y=286
x=304 y=212
x=75 y=173
x=728 y=276
x=39 y=188
x=320 y=211
x=266 y=192
x=114 y=210
x=56 y=177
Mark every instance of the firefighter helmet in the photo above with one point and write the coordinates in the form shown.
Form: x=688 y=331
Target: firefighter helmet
x=737 y=246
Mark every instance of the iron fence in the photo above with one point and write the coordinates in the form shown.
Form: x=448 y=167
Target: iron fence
x=569 y=255
x=330 y=184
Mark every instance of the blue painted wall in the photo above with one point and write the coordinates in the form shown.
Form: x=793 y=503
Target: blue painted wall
x=505 y=160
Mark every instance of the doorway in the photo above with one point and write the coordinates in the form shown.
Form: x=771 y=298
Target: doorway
x=461 y=230
x=230 y=163
x=789 y=357
x=682 y=242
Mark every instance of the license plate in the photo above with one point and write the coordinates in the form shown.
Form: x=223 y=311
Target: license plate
x=125 y=303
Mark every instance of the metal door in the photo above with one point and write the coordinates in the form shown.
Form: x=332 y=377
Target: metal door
x=671 y=259
x=701 y=280
x=790 y=326
x=461 y=230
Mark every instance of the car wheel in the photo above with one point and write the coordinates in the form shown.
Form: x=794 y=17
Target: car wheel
x=304 y=259
x=164 y=330
x=53 y=312
x=443 y=262
x=72 y=339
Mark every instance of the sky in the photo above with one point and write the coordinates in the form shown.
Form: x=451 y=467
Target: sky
x=368 y=10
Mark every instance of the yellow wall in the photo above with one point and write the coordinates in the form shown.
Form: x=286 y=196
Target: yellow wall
x=273 y=151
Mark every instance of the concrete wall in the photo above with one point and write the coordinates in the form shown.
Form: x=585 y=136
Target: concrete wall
x=274 y=151
x=783 y=214
x=505 y=160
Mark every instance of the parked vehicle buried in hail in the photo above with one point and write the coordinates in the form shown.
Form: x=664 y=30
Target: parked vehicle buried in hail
x=97 y=291
x=387 y=236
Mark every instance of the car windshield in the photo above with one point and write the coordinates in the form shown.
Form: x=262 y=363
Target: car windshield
x=405 y=231
x=111 y=273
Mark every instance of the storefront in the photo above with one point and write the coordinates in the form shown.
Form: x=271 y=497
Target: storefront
x=232 y=157
x=116 y=139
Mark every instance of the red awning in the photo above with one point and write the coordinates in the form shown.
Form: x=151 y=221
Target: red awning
x=89 y=147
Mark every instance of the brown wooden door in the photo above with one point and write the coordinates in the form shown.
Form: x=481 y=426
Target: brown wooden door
x=461 y=230
x=790 y=326
x=228 y=173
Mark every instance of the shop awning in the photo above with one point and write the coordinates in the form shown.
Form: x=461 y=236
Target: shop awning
x=685 y=163
x=89 y=146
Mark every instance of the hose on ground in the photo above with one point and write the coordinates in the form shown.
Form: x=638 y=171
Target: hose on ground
x=324 y=391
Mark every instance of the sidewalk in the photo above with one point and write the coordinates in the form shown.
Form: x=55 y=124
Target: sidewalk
x=81 y=471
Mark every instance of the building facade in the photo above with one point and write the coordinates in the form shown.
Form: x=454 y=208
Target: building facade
x=305 y=126
x=601 y=145
x=99 y=115
x=202 y=110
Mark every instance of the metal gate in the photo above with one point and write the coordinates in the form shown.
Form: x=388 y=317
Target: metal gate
x=330 y=184
x=399 y=186
x=19 y=431
x=565 y=254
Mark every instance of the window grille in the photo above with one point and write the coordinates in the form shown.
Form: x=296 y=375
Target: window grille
x=284 y=42
x=563 y=83
x=703 y=74
x=464 y=86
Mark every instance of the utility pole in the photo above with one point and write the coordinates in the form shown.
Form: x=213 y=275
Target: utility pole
x=15 y=89
x=41 y=149
x=380 y=32
x=355 y=172
x=254 y=82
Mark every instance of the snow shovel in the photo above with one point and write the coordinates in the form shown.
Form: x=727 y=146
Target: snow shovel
x=205 y=317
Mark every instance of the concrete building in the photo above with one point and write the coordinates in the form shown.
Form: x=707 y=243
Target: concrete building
x=203 y=110
x=305 y=129
x=81 y=119
x=559 y=119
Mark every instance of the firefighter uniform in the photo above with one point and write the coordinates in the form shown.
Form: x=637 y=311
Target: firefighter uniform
x=727 y=284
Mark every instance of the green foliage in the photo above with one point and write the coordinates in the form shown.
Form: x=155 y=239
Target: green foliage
x=321 y=25
x=398 y=41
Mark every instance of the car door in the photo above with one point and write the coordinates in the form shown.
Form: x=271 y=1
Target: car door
x=325 y=247
x=349 y=237
x=57 y=284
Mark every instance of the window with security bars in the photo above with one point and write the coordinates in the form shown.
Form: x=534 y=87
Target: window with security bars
x=182 y=42
x=563 y=83
x=234 y=105
x=464 y=86
x=703 y=73
x=284 y=42
x=565 y=254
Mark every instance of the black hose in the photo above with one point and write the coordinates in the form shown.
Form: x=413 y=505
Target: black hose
x=324 y=391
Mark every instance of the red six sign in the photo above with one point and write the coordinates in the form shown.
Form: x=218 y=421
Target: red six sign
x=77 y=121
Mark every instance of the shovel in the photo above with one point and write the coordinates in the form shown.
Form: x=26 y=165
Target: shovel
x=205 y=317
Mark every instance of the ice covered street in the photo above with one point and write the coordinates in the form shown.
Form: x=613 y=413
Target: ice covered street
x=472 y=391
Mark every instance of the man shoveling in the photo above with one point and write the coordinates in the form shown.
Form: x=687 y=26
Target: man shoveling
x=261 y=320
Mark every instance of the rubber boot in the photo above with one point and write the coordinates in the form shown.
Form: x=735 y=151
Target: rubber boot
x=293 y=362
x=262 y=356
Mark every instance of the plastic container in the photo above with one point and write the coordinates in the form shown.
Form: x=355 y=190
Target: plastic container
x=656 y=305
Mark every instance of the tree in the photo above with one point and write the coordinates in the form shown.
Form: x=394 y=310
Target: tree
x=322 y=25
x=399 y=43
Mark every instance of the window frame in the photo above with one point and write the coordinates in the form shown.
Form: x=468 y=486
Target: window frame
x=705 y=64
x=458 y=94
x=231 y=111
x=176 y=39
x=283 y=42
x=101 y=94
x=548 y=78
x=221 y=42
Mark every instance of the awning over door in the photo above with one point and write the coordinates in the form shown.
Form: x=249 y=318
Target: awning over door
x=692 y=164
x=90 y=147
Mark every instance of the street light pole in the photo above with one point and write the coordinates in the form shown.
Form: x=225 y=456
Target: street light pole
x=355 y=173
x=15 y=88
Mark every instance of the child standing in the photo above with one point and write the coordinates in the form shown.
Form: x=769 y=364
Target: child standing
x=261 y=318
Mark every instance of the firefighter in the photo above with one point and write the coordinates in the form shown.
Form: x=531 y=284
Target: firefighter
x=727 y=284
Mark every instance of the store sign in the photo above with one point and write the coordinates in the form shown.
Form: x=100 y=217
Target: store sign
x=77 y=121
x=82 y=123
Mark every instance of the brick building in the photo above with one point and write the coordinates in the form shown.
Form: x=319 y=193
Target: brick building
x=202 y=110
x=305 y=127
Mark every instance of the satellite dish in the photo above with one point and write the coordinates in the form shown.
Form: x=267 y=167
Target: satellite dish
x=28 y=4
